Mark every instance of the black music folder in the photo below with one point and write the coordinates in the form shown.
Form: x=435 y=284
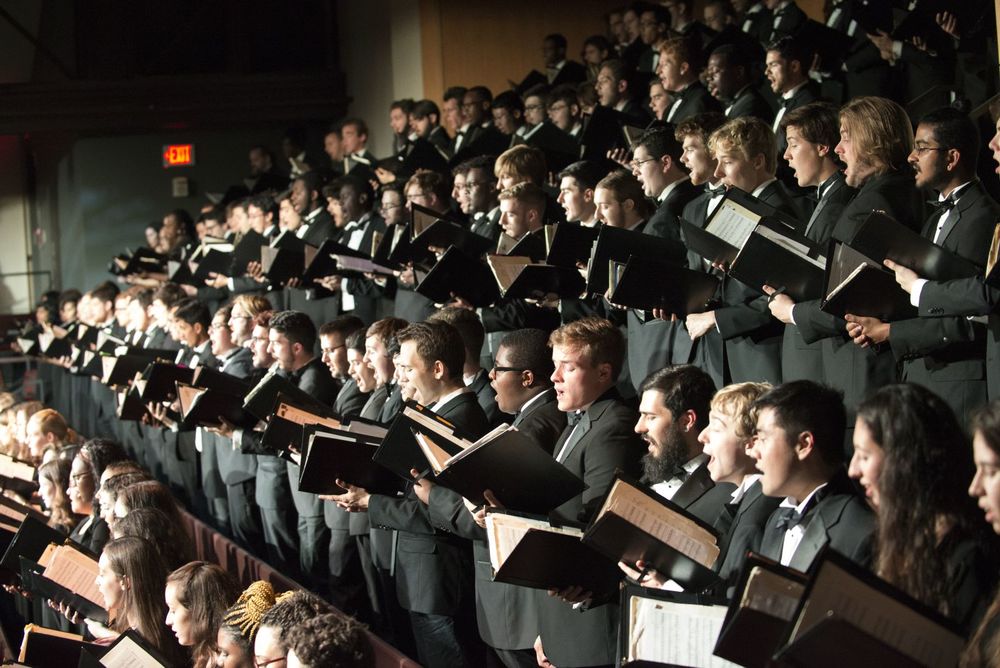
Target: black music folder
x=262 y=399
x=335 y=454
x=161 y=380
x=523 y=477
x=569 y=244
x=531 y=552
x=441 y=230
x=43 y=648
x=781 y=259
x=247 y=250
x=400 y=452
x=765 y=602
x=458 y=274
x=647 y=284
x=636 y=524
x=881 y=237
x=129 y=650
x=666 y=628
x=30 y=542
x=324 y=262
x=208 y=408
x=848 y=616
x=860 y=285
x=618 y=244
x=518 y=276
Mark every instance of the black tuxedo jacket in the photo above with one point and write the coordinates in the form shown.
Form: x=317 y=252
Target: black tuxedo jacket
x=841 y=520
x=801 y=360
x=571 y=72
x=350 y=399
x=433 y=566
x=320 y=227
x=695 y=99
x=543 y=422
x=701 y=497
x=741 y=528
x=758 y=24
x=854 y=370
x=487 y=398
x=315 y=379
x=803 y=96
x=748 y=102
x=786 y=22
x=948 y=354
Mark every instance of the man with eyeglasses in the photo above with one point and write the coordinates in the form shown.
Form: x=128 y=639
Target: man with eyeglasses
x=564 y=110
x=946 y=354
x=478 y=136
x=479 y=200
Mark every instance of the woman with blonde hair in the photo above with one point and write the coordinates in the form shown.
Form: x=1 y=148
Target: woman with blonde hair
x=46 y=432
x=197 y=595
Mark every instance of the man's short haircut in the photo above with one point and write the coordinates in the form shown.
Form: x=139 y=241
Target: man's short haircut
x=661 y=141
x=193 y=312
x=538 y=90
x=528 y=349
x=405 y=105
x=880 y=130
x=468 y=325
x=954 y=129
x=486 y=163
x=431 y=183
x=527 y=193
x=684 y=387
x=482 y=93
x=684 y=50
x=558 y=41
x=817 y=122
x=105 y=291
x=425 y=108
x=725 y=6
x=793 y=48
x=71 y=295
x=587 y=173
x=599 y=42
x=437 y=342
x=252 y=304
x=508 y=100
x=359 y=125
x=170 y=294
x=333 y=639
x=700 y=125
x=599 y=340
x=360 y=186
x=386 y=328
x=618 y=68
x=296 y=326
x=660 y=14
x=565 y=93
x=356 y=341
x=748 y=136
x=522 y=162
x=291 y=611
x=803 y=405
x=313 y=183
x=344 y=325
x=225 y=311
x=454 y=93
x=624 y=186
x=737 y=401
x=143 y=296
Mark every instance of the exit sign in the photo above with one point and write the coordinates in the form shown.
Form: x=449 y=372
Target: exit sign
x=178 y=155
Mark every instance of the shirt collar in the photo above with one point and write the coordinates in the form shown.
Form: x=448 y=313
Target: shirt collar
x=448 y=397
x=670 y=187
x=789 y=502
x=955 y=193
x=741 y=491
x=537 y=399
x=759 y=189
x=790 y=93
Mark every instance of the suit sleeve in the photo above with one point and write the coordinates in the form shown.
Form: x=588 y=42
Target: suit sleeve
x=963 y=296
x=448 y=512
x=402 y=513
x=917 y=337
x=736 y=319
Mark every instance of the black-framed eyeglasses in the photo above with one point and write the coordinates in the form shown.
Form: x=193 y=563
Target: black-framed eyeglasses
x=501 y=369
x=636 y=163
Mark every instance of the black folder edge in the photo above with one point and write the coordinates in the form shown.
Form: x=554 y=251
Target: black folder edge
x=736 y=613
x=134 y=636
x=388 y=484
x=629 y=591
x=869 y=579
x=635 y=264
x=24 y=538
x=42 y=586
x=703 y=571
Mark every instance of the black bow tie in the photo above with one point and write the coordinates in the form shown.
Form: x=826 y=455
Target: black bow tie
x=940 y=206
x=680 y=473
x=789 y=518
x=574 y=418
x=715 y=192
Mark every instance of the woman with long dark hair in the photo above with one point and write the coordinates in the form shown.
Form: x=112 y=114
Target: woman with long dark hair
x=983 y=649
x=912 y=458
x=53 y=481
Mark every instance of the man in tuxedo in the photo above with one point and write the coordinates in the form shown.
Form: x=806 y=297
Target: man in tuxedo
x=947 y=354
x=354 y=143
x=875 y=140
x=357 y=201
x=425 y=122
x=786 y=66
x=333 y=348
x=263 y=173
x=673 y=410
x=732 y=78
x=745 y=149
x=680 y=68
x=656 y=163
x=507 y=110
x=757 y=22
x=799 y=452
x=476 y=378
x=558 y=70
x=563 y=107
x=451 y=110
x=434 y=576
x=654 y=30
x=614 y=92
x=429 y=190
x=576 y=192
x=507 y=614
x=787 y=18
x=291 y=340
x=598 y=442
x=191 y=320
x=812 y=132
x=478 y=135
x=480 y=201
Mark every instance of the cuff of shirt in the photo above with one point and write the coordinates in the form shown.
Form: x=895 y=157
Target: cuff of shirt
x=918 y=287
x=237 y=438
x=897 y=49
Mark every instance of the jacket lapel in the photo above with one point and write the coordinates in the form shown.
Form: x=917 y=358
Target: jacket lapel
x=694 y=487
